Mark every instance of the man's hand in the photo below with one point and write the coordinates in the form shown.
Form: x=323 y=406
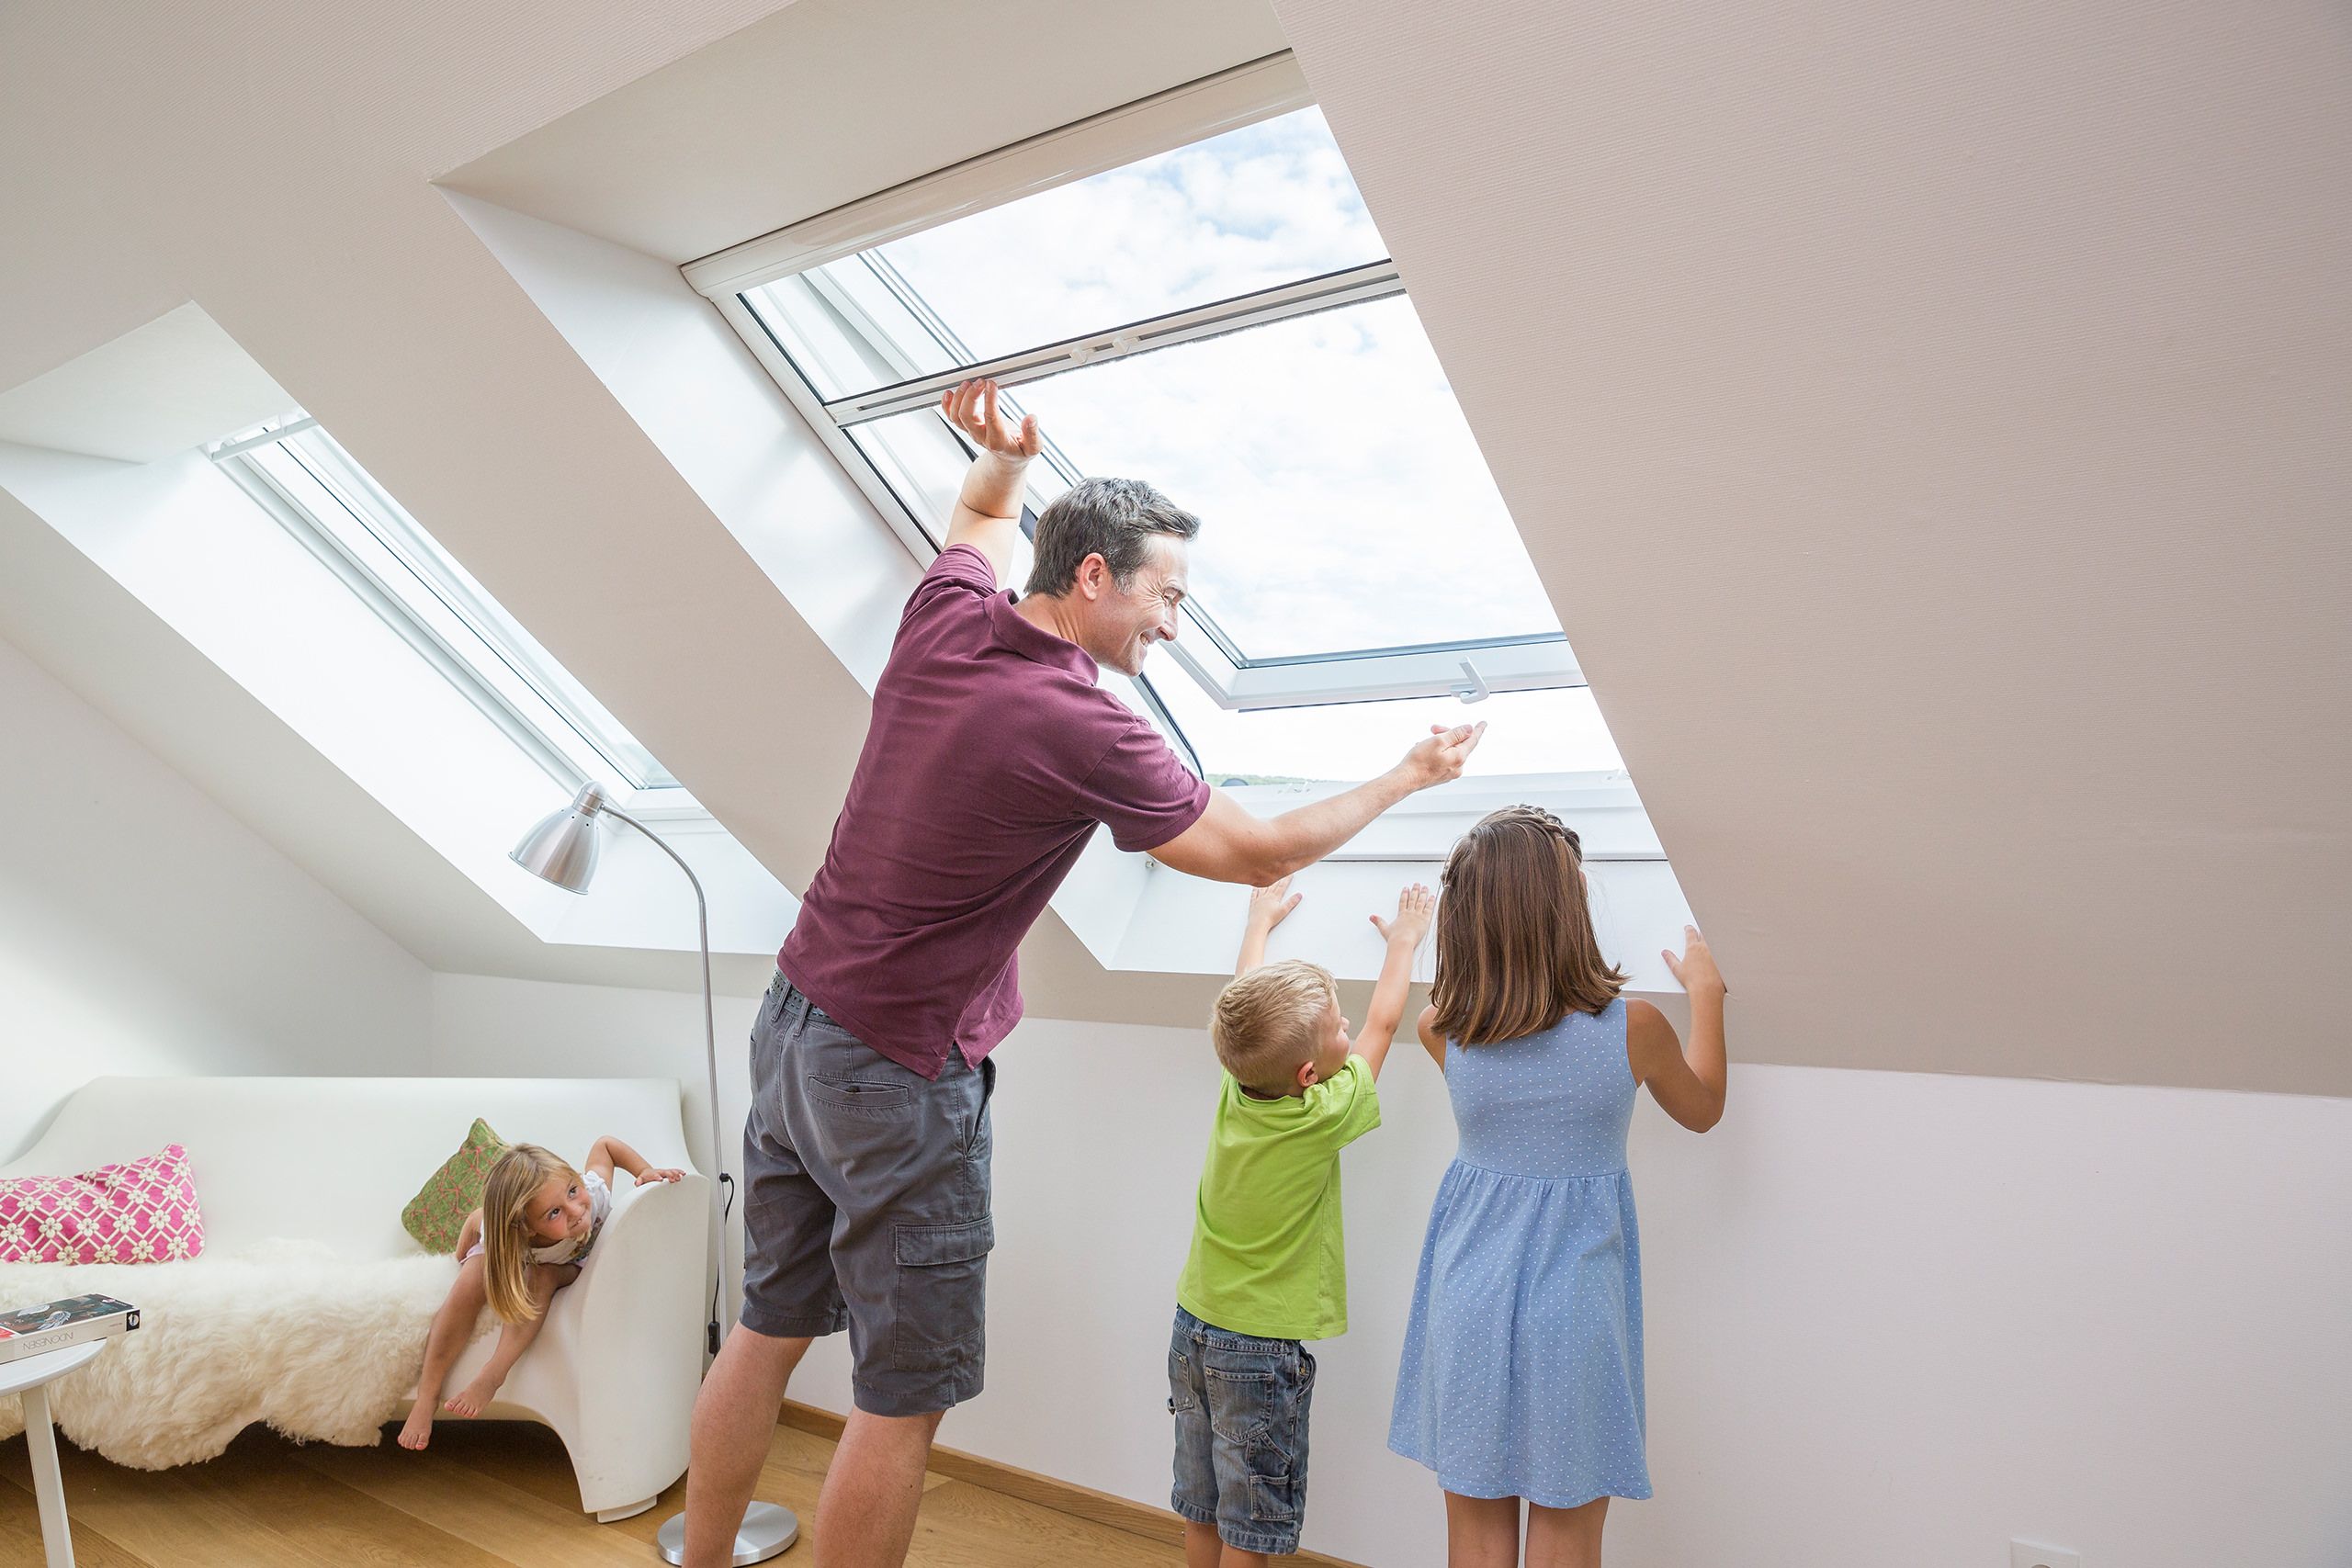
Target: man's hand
x=971 y=409
x=1416 y=907
x=988 y=506
x=1439 y=759
x=1270 y=905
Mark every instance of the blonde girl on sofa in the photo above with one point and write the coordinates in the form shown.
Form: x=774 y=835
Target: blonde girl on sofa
x=543 y=1217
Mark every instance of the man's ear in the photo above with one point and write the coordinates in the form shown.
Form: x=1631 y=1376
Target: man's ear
x=1093 y=577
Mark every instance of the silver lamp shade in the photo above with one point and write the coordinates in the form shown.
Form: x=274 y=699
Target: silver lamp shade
x=562 y=847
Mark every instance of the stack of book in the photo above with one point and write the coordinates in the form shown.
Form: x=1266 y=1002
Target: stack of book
x=54 y=1325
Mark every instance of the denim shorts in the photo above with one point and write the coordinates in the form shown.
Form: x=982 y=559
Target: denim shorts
x=1240 y=1407
x=866 y=1206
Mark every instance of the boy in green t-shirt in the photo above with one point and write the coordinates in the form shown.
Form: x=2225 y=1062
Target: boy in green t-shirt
x=1268 y=1267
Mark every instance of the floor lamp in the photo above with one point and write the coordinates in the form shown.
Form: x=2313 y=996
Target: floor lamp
x=562 y=850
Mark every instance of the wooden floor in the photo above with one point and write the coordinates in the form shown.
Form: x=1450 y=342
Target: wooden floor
x=484 y=1495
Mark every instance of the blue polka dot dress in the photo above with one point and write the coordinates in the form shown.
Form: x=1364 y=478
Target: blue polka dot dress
x=1522 y=1367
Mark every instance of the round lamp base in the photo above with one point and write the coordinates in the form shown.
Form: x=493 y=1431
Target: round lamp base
x=767 y=1530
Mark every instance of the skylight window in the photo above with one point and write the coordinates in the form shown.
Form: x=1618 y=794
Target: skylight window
x=328 y=502
x=1224 y=320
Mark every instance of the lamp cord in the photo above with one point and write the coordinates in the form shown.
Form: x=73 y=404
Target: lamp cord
x=726 y=1207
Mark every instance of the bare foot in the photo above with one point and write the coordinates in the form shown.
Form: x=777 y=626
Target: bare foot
x=417 y=1430
x=470 y=1400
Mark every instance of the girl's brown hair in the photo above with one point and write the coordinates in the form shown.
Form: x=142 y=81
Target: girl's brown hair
x=507 y=1194
x=1515 y=948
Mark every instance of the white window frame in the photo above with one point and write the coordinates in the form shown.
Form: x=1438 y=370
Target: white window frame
x=1468 y=668
x=331 y=506
x=1601 y=805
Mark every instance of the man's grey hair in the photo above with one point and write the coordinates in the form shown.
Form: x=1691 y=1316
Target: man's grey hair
x=1112 y=518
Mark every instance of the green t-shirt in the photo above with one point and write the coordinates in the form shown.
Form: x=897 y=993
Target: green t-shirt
x=1269 y=1256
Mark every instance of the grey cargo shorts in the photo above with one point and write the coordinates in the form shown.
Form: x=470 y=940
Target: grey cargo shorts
x=866 y=1206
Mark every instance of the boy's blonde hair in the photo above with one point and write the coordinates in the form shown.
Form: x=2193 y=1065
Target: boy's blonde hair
x=506 y=1238
x=1270 y=1020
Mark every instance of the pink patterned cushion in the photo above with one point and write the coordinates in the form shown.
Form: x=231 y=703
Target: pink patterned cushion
x=140 y=1213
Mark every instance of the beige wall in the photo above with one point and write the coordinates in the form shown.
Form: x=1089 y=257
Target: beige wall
x=1929 y=424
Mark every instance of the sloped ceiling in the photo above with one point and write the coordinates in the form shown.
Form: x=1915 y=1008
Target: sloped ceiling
x=1932 y=424
x=1929 y=425
x=280 y=178
x=171 y=385
x=732 y=141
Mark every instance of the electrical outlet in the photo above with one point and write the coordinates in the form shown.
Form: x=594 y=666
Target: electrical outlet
x=2026 y=1554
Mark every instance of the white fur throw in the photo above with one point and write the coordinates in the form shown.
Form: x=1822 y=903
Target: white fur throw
x=319 y=1346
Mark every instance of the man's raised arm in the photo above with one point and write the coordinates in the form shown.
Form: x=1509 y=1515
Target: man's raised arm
x=987 y=509
x=1228 y=844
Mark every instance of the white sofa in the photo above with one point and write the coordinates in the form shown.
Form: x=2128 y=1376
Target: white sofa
x=302 y=1183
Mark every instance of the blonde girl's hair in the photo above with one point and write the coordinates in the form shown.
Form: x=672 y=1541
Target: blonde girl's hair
x=1268 y=1021
x=1515 y=947
x=506 y=1196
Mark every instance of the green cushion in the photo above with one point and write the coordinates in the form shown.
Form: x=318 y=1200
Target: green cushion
x=437 y=1214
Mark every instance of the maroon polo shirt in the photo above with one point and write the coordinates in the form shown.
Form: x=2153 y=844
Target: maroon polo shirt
x=991 y=755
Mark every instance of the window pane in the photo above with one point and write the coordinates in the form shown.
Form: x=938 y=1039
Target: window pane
x=1344 y=504
x=441 y=597
x=1254 y=208
x=846 y=331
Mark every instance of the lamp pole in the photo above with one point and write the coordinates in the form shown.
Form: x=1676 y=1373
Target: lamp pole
x=562 y=850
x=710 y=1065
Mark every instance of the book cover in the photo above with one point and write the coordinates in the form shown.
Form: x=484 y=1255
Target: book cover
x=52 y=1325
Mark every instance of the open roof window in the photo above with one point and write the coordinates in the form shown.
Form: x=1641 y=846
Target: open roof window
x=1223 y=320
x=327 y=501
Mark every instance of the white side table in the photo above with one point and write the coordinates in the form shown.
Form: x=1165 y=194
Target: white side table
x=30 y=1380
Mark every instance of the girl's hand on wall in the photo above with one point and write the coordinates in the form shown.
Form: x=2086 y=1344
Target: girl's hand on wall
x=1696 y=968
x=1416 y=907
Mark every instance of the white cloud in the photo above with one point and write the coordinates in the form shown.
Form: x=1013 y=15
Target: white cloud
x=1263 y=206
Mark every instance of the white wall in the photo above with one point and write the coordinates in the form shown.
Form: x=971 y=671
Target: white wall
x=1895 y=1318
x=144 y=929
x=1900 y=1318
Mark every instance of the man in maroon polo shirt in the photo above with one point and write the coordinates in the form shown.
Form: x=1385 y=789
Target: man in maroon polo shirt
x=992 y=756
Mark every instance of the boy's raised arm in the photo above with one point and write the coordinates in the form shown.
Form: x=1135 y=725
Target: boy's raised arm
x=1416 y=906
x=1267 y=906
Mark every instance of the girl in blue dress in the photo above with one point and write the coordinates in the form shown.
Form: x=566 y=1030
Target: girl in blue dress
x=1521 y=1378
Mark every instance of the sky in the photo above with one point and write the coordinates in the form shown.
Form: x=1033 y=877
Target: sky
x=1265 y=205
